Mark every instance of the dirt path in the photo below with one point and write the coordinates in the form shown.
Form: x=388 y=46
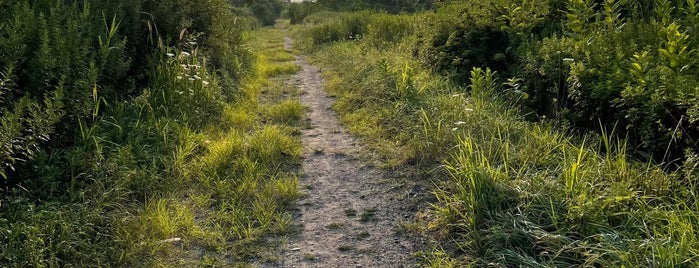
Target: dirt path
x=351 y=215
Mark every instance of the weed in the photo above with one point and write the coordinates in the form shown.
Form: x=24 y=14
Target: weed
x=309 y=257
x=350 y=212
x=367 y=215
x=345 y=248
x=287 y=112
x=277 y=69
x=363 y=235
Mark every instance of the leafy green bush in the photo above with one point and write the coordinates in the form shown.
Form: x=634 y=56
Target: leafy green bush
x=463 y=35
x=621 y=65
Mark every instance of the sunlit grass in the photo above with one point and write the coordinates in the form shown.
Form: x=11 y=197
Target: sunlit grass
x=508 y=192
x=276 y=69
x=287 y=112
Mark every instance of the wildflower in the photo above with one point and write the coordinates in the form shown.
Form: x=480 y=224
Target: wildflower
x=459 y=123
x=455 y=129
x=185 y=53
x=197 y=77
x=205 y=83
x=179 y=77
x=468 y=110
x=190 y=79
x=170 y=54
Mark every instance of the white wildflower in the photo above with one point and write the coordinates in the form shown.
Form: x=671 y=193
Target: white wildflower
x=459 y=123
x=170 y=54
x=185 y=53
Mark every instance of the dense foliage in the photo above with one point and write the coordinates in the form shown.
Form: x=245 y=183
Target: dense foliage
x=624 y=65
x=266 y=11
x=121 y=121
x=298 y=11
x=512 y=193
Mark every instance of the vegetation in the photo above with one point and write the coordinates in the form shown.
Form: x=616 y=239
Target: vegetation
x=130 y=136
x=452 y=100
x=297 y=12
x=159 y=133
x=266 y=11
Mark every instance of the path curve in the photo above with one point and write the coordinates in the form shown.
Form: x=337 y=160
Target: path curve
x=338 y=229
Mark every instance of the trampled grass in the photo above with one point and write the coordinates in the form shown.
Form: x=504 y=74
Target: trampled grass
x=508 y=192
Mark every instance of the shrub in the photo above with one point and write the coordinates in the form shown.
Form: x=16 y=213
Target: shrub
x=297 y=12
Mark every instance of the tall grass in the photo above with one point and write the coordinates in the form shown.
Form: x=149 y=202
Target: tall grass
x=508 y=192
x=167 y=163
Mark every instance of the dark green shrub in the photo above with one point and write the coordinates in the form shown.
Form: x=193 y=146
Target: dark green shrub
x=297 y=12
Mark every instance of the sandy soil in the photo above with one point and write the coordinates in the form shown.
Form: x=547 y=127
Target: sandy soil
x=352 y=212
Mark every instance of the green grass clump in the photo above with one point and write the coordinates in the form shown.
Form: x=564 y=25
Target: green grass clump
x=279 y=55
x=288 y=112
x=276 y=69
x=367 y=215
x=271 y=145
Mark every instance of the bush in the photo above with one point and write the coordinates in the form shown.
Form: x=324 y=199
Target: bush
x=266 y=11
x=297 y=12
x=618 y=69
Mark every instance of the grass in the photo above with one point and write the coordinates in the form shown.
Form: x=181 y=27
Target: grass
x=345 y=248
x=363 y=235
x=507 y=192
x=350 y=212
x=181 y=175
x=287 y=112
x=367 y=215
